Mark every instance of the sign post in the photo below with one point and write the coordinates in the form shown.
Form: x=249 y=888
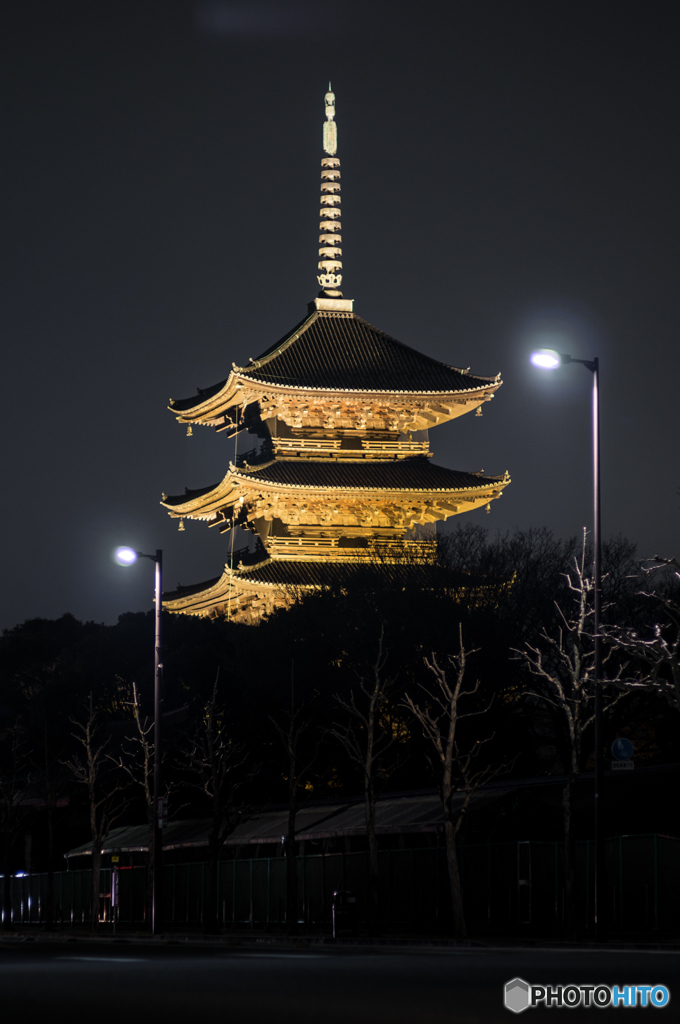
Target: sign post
x=622 y=752
x=115 y=891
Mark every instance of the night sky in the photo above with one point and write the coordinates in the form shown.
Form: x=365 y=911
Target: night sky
x=510 y=171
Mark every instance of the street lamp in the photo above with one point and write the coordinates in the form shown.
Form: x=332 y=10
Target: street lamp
x=549 y=359
x=128 y=556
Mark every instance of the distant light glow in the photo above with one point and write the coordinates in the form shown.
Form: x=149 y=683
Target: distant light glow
x=125 y=556
x=546 y=358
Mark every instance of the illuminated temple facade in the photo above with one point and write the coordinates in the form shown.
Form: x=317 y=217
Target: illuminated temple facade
x=343 y=475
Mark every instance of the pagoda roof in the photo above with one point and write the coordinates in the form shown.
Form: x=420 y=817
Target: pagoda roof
x=400 y=475
x=281 y=573
x=403 y=474
x=331 y=351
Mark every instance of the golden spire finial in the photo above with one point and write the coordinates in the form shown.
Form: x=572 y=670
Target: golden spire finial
x=330 y=253
x=330 y=128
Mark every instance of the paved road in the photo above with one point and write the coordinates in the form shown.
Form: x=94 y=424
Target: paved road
x=140 y=984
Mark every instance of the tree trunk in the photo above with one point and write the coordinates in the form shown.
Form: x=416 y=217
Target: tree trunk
x=7 y=881
x=50 y=803
x=49 y=913
x=373 y=862
x=291 y=862
x=369 y=804
x=96 y=882
x=210 y=917
x=569 y=873
x=148 y=896
x=7 y=897
x=459 y=929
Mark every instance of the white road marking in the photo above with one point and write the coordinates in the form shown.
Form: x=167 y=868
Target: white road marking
x=106 y=959
x=285 y=956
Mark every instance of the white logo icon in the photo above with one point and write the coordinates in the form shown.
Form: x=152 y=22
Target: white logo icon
x=517 y=996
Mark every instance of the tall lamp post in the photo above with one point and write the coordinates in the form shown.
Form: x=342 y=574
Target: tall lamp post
x=127 y=556
x=549 y=359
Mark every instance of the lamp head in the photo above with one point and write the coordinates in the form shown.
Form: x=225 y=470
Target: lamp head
x=125 y=556
x=547 y=358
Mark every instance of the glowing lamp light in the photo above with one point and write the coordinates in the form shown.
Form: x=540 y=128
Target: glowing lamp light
x=125 y=556
x=546 y=358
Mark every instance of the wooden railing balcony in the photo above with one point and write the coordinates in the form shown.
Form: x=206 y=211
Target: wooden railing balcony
x=303 y=445
x=278 y=545
x=288 y=447
x=389 y=548
x=402 y=449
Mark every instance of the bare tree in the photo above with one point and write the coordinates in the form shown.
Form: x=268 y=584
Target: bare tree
x=440 y=716
x=136 y=760
x=658 y=653
x=369 y=732
x=219 y=768
x=564 y=668
x=293 y=728
x=105 y=790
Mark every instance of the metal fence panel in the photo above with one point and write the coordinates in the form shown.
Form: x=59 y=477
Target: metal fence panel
x=507 y=888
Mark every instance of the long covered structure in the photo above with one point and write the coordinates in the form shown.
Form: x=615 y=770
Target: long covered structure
x=342 y=475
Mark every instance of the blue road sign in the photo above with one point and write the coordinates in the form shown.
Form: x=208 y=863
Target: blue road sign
x=622 y=749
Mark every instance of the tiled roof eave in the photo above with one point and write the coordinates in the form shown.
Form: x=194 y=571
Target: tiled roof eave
x=249 y=375
x=238 y=372
x=268 y=584
x=215 y=591
x=488 y=481
x=239 y=582
x=220 y=492
x=493 y=382
x=389 y=490
x=214 y=406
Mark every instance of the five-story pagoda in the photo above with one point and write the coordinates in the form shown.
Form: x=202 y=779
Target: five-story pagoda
x=343 y=475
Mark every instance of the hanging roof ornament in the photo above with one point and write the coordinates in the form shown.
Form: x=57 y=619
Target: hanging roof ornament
x=330 y=238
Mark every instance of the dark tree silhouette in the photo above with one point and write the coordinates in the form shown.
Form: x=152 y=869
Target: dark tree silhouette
x=458 y=767
x=107 y=800
x=217 y=766
x=372 y=735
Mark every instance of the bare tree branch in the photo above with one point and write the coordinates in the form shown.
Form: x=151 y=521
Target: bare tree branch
x=218 y=767
x=564 y=666
x=373 y=740
x=439 y=716
x=105 y=792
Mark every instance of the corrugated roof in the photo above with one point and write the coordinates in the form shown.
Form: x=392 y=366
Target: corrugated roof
x=408 y=814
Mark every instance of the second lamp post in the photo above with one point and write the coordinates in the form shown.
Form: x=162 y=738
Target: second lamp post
x=549 y=359
x=127 y=556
